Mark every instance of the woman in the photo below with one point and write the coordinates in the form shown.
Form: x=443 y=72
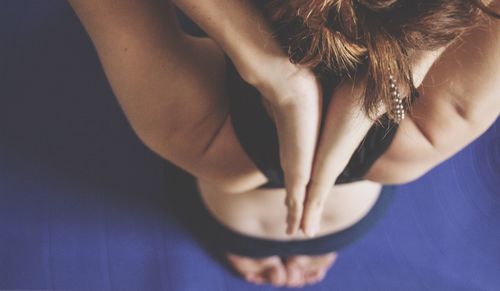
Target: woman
x=185 y=99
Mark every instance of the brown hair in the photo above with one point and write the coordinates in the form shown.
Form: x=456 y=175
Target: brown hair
x=372 y=37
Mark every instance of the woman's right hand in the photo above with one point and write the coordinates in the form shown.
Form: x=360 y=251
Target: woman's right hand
x=292 y=92
x=293 y=96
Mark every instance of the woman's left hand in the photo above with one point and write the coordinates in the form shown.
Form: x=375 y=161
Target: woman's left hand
x=345 y=126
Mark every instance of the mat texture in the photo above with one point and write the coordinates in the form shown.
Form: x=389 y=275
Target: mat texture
x=85 y=206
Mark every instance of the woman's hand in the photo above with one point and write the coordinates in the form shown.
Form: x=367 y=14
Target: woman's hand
x=345 y=126
x=293 y=96
x=291 y=92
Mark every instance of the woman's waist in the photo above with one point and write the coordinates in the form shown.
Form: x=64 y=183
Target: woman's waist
x=262 y=213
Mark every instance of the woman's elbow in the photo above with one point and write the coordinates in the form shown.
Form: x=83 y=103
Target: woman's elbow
x=391 y=173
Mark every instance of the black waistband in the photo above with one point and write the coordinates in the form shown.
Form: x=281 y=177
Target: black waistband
x=227 y=240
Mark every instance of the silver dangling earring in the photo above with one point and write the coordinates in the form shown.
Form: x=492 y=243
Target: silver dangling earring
x=397 y=109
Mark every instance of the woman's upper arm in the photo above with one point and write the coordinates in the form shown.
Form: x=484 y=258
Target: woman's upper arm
x=171 y=88
x=460 y=99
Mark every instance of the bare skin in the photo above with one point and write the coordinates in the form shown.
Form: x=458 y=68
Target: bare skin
x=171 y=88
x=308 y=269
x=260 y=271
x=295 y=271
x=260 y=213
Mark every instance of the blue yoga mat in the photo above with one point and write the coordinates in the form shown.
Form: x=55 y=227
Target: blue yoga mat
x=85 y=206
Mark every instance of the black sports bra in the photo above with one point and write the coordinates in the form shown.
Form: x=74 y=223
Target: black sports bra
x=257 y=133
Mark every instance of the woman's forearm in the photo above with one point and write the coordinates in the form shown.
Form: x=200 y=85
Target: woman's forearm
x=346 y=115
x=241 y=30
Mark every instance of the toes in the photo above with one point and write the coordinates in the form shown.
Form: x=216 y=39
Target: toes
x=313 y=268
x=244 y=266
x=254 y=278
x=249 y=268
x=295 y=276
x=277 y=276
x=296 y=272
x=259 y=270
x=315 y=276
x=330 y=258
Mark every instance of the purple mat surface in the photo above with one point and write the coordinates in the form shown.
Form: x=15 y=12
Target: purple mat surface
x=85 y=206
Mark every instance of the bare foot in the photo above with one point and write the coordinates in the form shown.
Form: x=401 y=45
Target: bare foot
x=302 y=269
x=259 y=271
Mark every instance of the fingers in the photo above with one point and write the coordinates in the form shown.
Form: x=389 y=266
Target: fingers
x=297 y=125
x=345 y=126
x=296 y=192
x=321 y=184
